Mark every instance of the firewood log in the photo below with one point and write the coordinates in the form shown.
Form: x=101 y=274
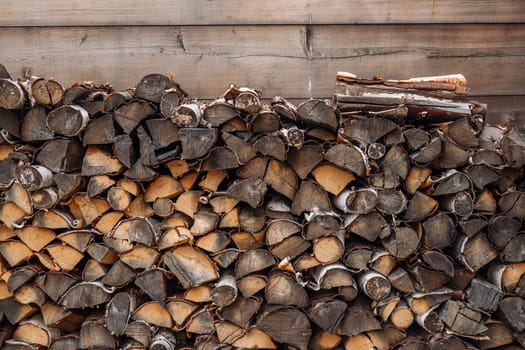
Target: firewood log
x=12 y=95
x=285 y=325
x=67 y=120
x=34 y=127
x=93 y=334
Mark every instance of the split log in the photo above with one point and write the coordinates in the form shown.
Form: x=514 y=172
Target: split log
x=93 y=334
x=244 y=99
x=67 y=120
x=283 y=289
x=34 y=127
x=129 y=115
x=318 y=113
x=219 y=112
x=191 y=266
x=153 y=314
x=285 y=325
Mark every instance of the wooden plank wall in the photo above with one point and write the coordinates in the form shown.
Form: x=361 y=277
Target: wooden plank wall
x=281 y=47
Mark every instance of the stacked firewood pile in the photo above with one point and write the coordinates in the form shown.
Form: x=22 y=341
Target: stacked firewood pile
x=141 y=219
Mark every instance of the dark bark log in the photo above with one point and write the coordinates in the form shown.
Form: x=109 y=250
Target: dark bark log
x=464 y=131
x=451 y=156
x=129 y=115
x=169 y=101
x=140 y=331
x=368 y=130
x=119 y=275
x=318 y=113
x=475 y=252
x=498 y=335
x=100 y=130
x=348 y=157
x=402 y=242
x=54 y=284
x=512 y=311
x=461 y=319
x=357 y=320
x=291 y=247
x=118 y=313
x=416 y=138
x=196 y=142
x=428 y=153
x=250 y=190
x=65 y=342
x=396 y=162
x=34 y=127
x=67 y=120
x=357 y=257
x=152 y=86
x=115 y=99
x=308 y=197
x=286 y=325
x=61 y=155
x=320 y=225
x=513 y=146
x=84 y=294
x=420 y=207
x=11 y=94
x=283 y=289
x=502 y=229
x=253 y=261
x=484 y=295
x=163 y=132
x=513 y=251
x=93 y=334
x=305 y=159
x=482 y=175
x=67 y=184
x=217 y=113
x=370 y=226
x=265 y=121
x=391 y=202
x=220 y=158
x=271 y=146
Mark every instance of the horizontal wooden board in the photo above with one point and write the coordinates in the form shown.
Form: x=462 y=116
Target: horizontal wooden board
x=294 y=61
x=505 y=109
x=229 y=12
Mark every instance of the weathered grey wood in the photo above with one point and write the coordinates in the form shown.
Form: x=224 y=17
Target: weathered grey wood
x=484 y=294
x=118 y=312
x=172 y=12
x=286 y=325
x=242 y=50
x=461 y=319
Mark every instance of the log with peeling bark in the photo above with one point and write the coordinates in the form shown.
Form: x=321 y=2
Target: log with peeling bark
x=389 y=218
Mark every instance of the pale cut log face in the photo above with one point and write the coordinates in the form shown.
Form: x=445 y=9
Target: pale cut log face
x=143 y=219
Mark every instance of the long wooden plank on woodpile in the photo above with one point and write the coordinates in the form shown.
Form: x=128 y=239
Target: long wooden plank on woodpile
x=390 y=217
x=180 y=12
x=205 y=57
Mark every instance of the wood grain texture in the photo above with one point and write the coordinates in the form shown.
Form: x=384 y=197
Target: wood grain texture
x=198 y=12
x=505 y=109
x=293 y=61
